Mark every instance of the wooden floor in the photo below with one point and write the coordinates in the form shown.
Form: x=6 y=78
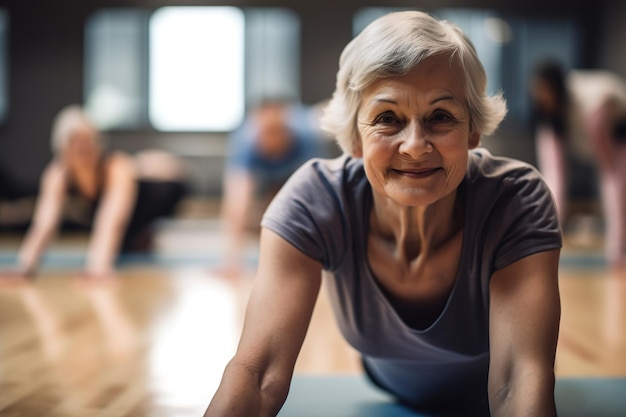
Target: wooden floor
x=155 y=342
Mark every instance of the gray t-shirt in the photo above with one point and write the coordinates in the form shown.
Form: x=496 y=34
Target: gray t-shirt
x=324 y=211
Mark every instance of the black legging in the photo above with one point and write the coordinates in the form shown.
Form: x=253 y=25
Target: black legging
x=155 y=199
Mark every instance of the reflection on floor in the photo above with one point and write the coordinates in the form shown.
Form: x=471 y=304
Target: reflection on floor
x=154 y=343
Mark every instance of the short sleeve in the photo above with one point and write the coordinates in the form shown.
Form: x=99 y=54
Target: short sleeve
x=528 y=218
x=308 y=213
x=240 y=149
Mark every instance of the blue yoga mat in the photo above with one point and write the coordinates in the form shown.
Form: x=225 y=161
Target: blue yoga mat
x=354 y=396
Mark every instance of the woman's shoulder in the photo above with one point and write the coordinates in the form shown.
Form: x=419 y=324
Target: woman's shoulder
x=314 y=209
x=337 y=180
x=484 y=166
x=323 y=187
x=504 y=180
x=54 y=174
x=511 y=209
x=508 y=187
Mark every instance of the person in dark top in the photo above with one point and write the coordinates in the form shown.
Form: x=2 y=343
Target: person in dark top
x=118 y=196
x=580 y=115
x=441 y=260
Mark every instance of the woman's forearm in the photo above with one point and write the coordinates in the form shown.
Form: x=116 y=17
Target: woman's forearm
x=245 y=392
x=34 y=243
x=30 y=252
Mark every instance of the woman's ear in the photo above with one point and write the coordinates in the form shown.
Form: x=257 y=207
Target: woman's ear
x=474 y=140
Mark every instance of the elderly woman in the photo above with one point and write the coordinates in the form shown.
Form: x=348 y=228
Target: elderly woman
x=117 y=195
x=441 y=260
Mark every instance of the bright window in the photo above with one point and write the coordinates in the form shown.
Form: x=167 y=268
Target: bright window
x=188 y=68
x=272 y=54
x=115 y=68
x=196 y=68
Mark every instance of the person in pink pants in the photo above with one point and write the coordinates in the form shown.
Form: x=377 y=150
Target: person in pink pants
x=583 y=113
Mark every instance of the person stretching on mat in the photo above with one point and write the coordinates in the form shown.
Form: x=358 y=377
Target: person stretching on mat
x=441 y=260
x=275 y=139
x=118 y=196
x=581 y=114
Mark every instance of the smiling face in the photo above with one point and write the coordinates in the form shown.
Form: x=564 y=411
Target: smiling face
x=415 y=133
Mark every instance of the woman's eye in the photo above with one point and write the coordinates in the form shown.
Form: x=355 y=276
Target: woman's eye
x=387 y=118
x=441 y=117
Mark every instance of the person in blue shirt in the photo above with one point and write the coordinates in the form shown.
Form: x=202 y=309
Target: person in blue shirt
x=275 y=139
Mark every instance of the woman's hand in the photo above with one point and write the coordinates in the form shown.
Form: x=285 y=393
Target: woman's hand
x=15 y=276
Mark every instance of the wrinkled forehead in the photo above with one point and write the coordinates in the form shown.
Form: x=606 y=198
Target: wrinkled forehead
x=433 y=76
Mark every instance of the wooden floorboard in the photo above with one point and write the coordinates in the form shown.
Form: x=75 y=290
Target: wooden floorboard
x=155 y=342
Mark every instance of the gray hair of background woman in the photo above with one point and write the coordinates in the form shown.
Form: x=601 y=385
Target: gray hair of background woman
x=67 y=122
x=393 y=45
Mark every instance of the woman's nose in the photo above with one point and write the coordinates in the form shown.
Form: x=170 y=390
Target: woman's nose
x=415 y=141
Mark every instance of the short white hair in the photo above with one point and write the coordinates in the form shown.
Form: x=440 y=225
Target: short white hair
x=393 y=45
x=66 y=122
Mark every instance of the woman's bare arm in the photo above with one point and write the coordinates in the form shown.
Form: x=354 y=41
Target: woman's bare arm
x=45 y=219
x=112 y=215
x=552 y=162
x=524 y=324
x=236 y=206
x=256 y=381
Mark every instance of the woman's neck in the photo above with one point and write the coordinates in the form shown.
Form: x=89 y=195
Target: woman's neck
x=416 y=230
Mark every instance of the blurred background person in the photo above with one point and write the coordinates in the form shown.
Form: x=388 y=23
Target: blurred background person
x=117 y=196
x=582 y=114
x=275 y=139
x=550 y=101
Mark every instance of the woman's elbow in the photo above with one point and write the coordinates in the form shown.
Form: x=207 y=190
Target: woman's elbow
x=518 y=390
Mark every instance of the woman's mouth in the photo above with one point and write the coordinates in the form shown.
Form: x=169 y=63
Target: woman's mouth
x=416 y=173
